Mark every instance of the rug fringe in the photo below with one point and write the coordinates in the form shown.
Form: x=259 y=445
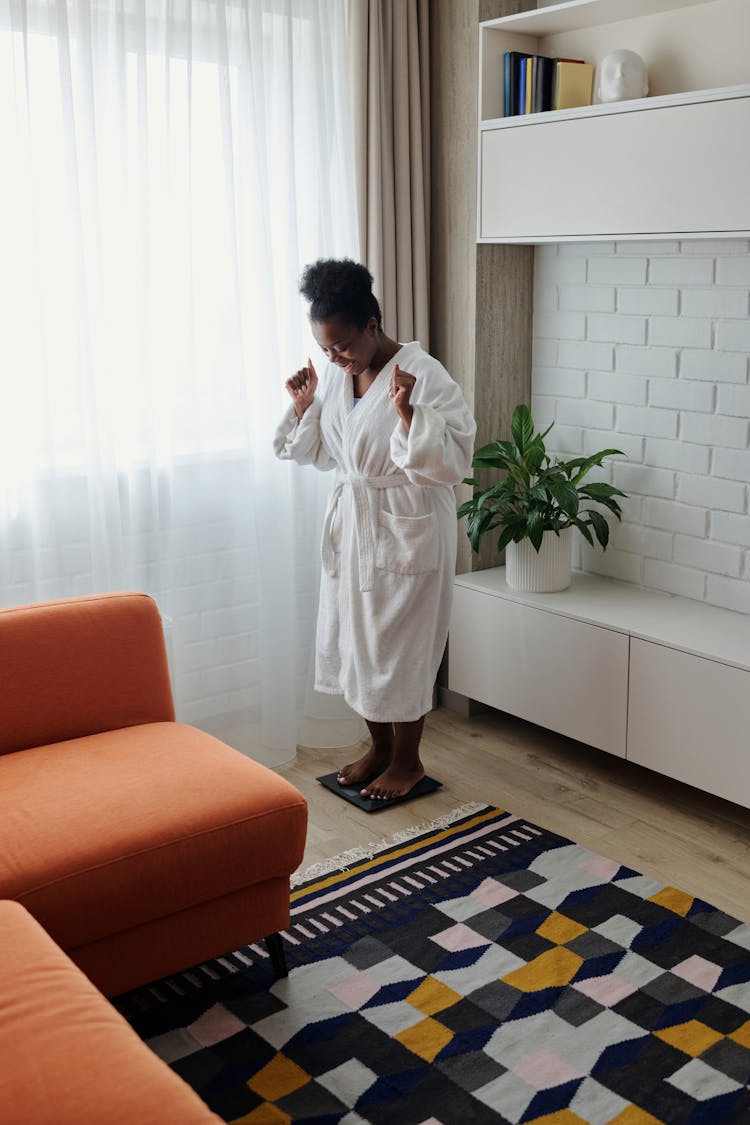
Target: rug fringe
x=356 y=855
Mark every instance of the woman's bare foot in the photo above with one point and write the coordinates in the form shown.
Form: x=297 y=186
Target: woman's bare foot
x=395 y=782
x=359 y=772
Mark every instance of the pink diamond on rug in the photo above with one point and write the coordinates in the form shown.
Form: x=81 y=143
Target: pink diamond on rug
x=605 y=990
x=215 y=1025
x=543 y=1070
x=698 y=971
x=602 y=867
x=356 y=990
x=459 y=937
x=491 y=893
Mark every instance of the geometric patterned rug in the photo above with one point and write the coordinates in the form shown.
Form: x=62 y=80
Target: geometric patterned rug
x=485 y=971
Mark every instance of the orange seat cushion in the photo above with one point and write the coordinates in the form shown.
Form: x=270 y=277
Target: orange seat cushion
x=68 y=1058
x=103 y=833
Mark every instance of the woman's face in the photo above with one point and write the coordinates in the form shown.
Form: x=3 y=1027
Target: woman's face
x=344 y=344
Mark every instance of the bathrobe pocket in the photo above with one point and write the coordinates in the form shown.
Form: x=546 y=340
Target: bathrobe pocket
x=407 y=544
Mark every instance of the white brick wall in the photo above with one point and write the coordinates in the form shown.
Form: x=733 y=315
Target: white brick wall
x=645 y=347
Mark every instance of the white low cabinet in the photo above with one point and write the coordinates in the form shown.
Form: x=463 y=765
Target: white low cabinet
x=561 y=673
x=690 y=719
x=661 y=680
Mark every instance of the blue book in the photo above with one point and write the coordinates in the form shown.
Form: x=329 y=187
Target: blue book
x=522 y=85
x=511 y=73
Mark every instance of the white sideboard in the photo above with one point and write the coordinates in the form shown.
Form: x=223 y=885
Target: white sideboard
x=660 y=680
x=672 y=164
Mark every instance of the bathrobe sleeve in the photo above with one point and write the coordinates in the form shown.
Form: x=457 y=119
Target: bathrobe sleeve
x=302 y=441
x=438 y=447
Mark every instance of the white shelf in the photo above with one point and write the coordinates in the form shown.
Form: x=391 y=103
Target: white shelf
x=576 y=15
x=664 y=619
x=636 y=105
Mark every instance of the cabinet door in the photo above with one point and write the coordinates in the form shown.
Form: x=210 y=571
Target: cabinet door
x=689 y=718
x=674 y=169
x=554 y=671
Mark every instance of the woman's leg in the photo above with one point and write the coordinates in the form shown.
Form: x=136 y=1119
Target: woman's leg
x=377 y=758
x=405 y=768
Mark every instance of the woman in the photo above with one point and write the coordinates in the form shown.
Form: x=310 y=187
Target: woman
x=392 y=422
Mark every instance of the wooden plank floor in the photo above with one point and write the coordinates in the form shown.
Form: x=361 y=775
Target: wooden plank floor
x=661 y=828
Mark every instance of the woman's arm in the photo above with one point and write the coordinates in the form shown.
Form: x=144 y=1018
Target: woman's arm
x=298 y=436
x=433 y=441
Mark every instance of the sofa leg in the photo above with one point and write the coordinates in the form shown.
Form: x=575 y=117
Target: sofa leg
x=275 y=948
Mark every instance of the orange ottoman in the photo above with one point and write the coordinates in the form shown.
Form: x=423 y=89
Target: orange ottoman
x=68 y=1058
x=141 y=845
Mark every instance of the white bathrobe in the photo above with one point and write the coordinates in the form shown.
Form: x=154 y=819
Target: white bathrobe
x=389 y=538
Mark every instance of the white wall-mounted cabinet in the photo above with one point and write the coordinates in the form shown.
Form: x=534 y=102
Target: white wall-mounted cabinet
x=660 y=680
x=674 y=163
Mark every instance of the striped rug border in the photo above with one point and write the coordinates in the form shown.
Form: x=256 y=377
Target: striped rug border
x=431 y=839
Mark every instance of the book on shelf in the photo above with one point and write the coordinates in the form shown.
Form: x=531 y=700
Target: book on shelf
x=543 y=74
x=573 y=83
x=538 y=83
x=522 y=85
x=511 y=74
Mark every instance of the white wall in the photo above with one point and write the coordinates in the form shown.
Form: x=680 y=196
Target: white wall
x=645 y=346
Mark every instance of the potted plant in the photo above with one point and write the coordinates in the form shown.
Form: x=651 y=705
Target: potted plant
x=536 y=505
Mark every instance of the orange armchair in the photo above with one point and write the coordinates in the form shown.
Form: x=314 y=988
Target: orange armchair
x=141 y=845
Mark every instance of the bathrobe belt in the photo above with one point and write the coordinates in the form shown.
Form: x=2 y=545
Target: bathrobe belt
x=365 y=521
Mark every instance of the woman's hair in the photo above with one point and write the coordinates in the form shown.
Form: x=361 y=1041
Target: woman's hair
x=339 y=288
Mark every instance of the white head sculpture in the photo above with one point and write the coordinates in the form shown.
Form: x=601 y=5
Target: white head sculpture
x=622 y=75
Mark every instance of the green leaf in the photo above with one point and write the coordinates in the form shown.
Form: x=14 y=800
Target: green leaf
x=535 y=528
x=594 y=460
x=612 y=506
x=511 y=532
x=600 y=490
x=565 y=495
x=583 y=528
x=535 y=455
x=601 y=527
x=522 y=427
x=492 y=456
x=493 y=493
x=477 y=524
x=520 y=473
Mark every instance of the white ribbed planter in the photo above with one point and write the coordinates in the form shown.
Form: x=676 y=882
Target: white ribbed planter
x=542 y=572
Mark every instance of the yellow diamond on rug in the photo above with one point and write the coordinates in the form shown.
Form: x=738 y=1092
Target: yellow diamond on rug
x=277 y=1078
x=692 y=1037
x=432 y=996
x=552 y=969
x=265 y=1114
x=426 y=1038
x=635 y=1116
x=674 y=900
x=741 y=1035
x=560 y=929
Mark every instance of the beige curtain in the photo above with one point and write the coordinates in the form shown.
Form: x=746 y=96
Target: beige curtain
x=389 y=58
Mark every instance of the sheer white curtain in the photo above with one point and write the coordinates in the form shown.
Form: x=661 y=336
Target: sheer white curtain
x=167 y=167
